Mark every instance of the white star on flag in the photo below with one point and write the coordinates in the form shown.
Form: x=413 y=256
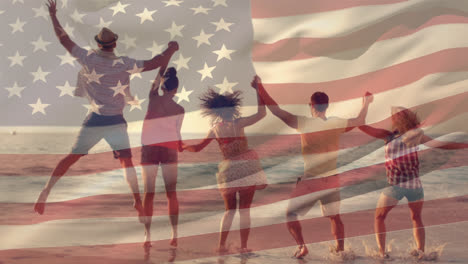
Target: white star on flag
x=181 y=62
x=118 y=8
x=14 y=90
x=41 y=12
x=40 y=75
x=17 y=59
x=219 y=2
x=203 y=38
x=175 y=30
x=93 y=107
x=119 y=60
x=40 y=44
x=38 y=107
x=20 y=1
x=135 y=72
x=68 y=29
x=66 y=89
x=129 y=42
x=222 y=25
x=226 y=86
x=67 y=58
x=17 y=26
x=172 y=2
x=93 y=77
x=77 y=17
x=136 y=103
x=146 y=15
x=200 y=10
x=119 y=89
x=206 y=71
x=183 y=95
x=155 y=49
x=103 y=24
x=223 y=53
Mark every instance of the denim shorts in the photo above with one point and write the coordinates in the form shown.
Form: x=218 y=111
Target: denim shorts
x=113 y=129
x=398 y=193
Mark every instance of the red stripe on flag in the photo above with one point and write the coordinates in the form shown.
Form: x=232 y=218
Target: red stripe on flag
x=436 y=212
x=399 y=75
x=397 y=26
x=267 y=9
x=192 y=201
x=268 y=146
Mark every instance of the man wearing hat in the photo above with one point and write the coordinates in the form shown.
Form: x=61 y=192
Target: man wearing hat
x=104 y=80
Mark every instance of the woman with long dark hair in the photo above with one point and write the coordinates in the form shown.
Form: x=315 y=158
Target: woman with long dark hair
x=240 y=172
x=161 y=140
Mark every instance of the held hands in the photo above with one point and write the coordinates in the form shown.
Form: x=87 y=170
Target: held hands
x=367 y=99
x=52 y=6
x=255 y=82
x=172 y=45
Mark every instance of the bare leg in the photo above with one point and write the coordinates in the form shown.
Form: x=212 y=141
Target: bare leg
x=298 y=204
x=131 y=178
x=169 y=172
x=418 y=226
x=337 y=229
x=149 y=173
x=61 y=168
x=230 y=204
x=384 y=205
x=295 y=229
x=245 y=201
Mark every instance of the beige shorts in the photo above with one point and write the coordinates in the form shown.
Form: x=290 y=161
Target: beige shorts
x=305 y=196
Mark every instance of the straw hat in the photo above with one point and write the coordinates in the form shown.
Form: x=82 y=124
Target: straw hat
x=106 y=37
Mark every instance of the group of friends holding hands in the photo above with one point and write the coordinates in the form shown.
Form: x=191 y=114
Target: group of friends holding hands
x=104 y=80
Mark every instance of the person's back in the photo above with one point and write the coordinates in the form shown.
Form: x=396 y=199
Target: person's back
x=161 y=125
x=320 y=139
x=105 y=79
x=231 y=139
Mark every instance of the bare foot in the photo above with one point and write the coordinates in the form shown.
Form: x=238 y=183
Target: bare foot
x=301 y=251
x=141 y=213
x=173 y=242
x=221 y=250
x=335 y=250
x=147 y=238
x=39 y=206
x=245 y=250
x=384 y=255
x=419 y=254
x=147 y=245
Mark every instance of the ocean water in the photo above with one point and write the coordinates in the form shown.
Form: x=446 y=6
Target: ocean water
x=29 y=159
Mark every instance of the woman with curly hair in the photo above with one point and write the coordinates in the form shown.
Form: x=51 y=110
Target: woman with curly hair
x=240 y=172
x=402 y=169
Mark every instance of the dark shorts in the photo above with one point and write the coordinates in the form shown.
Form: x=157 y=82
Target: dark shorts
x=398 y=193
x=158 y=155
x=113 y=129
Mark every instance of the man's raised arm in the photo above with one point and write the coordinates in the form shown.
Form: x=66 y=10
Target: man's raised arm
x=161 y=59
x=361 y=118
x=288 y=118
x=59 y=31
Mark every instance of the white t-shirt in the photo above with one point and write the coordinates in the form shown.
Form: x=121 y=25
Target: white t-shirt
x=99 y=79
x=320 y=144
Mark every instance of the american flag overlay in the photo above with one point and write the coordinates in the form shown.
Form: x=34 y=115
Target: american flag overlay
x=407 y=53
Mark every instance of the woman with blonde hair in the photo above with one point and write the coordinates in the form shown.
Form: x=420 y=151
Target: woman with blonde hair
x=240 y=172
